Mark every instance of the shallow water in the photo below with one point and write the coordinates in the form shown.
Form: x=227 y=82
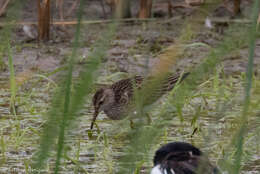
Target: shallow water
x=20 y=134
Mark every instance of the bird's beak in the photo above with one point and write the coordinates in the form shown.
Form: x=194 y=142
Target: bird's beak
x=94 y=118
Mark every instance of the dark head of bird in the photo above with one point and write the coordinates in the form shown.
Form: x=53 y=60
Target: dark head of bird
x=181 y=158
x=102 y=100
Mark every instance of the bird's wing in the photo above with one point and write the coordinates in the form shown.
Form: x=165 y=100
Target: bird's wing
x=187 y=163
x=124 y=89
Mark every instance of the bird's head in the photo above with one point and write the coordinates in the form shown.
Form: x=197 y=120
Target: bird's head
x=102 y=100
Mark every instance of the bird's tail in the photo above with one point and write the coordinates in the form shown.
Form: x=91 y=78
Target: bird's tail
x=172 y=80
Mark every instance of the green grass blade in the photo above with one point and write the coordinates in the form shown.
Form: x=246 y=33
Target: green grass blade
x=63 y=124
x=12 y=79
x=5 y=39
x=13 y=12
x=55 y=122
x=144 y=137
x=249 y=74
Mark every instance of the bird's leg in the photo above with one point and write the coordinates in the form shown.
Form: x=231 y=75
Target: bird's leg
x=149 y=120
x=131 y=124
x=194 y=131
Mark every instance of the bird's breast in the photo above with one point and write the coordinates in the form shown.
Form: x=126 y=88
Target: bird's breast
x=115 y=113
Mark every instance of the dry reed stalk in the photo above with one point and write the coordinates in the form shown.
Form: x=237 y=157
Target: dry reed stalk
x=122 y=9
x=112 y=4
x=74 y=5
x=145 y=8
x=194 y=2
x=172 y=54
x=236 y=7
x=59 y=3
x=3 y=9
x=43 y=20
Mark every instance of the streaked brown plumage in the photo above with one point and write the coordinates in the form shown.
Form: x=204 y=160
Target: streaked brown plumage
x=115 y=99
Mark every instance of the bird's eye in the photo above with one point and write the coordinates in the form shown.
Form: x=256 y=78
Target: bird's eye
x=101 y=102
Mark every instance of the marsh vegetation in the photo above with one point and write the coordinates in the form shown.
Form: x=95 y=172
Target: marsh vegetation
x=46 y=90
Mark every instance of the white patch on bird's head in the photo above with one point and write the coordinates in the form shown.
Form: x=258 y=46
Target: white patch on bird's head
x=190 y=153
x=156 y=170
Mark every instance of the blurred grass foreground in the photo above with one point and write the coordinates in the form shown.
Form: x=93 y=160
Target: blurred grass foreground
x=46 y=113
